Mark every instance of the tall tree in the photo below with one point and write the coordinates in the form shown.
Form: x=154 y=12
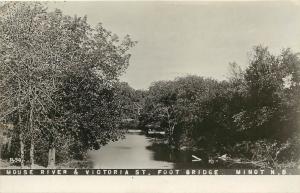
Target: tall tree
x=59 y=63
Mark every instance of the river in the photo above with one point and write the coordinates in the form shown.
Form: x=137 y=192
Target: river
x=139 y=151
x=130 y=152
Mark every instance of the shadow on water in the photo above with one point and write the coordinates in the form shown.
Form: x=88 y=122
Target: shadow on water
x=138 y=150
x=181 y=159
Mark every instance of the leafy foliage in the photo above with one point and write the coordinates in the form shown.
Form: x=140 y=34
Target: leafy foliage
x=57 y=76
x=256 y=108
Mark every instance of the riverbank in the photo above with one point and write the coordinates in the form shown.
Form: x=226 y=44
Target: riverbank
x=140 y=151
x=183 y=156
x=68 y=165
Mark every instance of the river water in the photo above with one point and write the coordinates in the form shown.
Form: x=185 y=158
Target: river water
x=140 y=151
x=130 y=152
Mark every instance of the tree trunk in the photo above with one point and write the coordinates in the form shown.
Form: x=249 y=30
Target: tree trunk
x=51 y=154
x=21 y=149
x=20 y=126
x=31 y=129
x=51 y=158
x=9 y=145
x=31 y=153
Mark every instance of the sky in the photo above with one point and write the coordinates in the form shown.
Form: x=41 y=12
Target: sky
x=192 y=38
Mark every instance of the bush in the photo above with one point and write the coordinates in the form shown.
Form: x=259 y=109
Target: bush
x=269 y=153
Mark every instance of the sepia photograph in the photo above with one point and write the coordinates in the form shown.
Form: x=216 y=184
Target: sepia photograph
x=149 y=88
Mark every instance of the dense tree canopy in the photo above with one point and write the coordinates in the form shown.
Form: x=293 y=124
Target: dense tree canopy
x=257 y=107
x=57 y=76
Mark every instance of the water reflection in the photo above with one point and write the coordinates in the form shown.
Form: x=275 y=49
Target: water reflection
x=130 y=152
x=141 y=152
x=184 y=159
x=181 y=159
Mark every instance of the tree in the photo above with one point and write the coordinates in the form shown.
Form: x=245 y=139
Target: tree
x=178 y=107
x=59 y=62
x=270 y=81
x=159 y=110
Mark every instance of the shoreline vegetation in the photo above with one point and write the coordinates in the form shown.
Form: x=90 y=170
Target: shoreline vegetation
x=61 y=97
